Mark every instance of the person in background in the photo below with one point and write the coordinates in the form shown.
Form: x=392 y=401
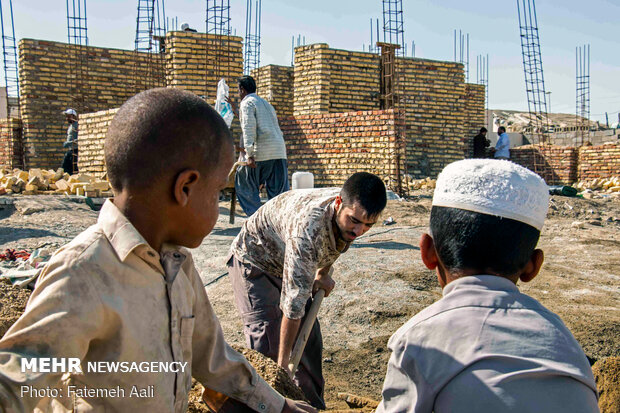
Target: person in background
x=502 y=147
x=69 y=162
x=263 y=147
x=481 y=143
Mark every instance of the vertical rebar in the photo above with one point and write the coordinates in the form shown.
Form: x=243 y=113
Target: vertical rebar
x=582 y=103
x=533 y=69
x=9 y=54
x=218 y=50
x=393 y=29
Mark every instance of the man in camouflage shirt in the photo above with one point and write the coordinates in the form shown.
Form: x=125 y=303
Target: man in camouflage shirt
x=284 y=253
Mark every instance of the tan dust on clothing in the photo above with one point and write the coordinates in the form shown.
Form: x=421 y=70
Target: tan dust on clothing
x=291 y=237
x=108 y=296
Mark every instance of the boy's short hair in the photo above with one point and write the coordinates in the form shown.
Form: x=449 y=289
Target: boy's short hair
x=466 y=240
x=161 y=131
x=483 y=129
x=367 y=190
x=247 y=83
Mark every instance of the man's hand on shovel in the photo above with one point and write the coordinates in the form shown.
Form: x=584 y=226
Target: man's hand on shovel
x=323 y=285
x=324 y=281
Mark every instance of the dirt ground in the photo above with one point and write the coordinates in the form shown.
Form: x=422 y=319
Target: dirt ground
x=12 y=304
x=381 y=281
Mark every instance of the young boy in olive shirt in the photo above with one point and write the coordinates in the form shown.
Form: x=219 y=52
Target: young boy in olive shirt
x=126 y=289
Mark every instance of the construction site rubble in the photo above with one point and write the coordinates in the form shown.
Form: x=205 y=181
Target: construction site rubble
x=415 y=184
x=49 y=182
x=22 y=268
x=410 y=183
x=358 y=402
x=608 y=185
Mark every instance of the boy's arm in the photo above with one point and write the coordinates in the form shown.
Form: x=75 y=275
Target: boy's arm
x=404 y=387
x=218 y=367
x=62 y=316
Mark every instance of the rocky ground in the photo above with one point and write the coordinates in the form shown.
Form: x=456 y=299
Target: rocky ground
x=381 y=281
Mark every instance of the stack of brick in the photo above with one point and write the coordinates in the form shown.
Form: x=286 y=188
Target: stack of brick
x=334 y=145
x=555 y=164
x=93 y=129
x=50 y=182
x=601 y=161
x=474 y=116
x=190 y=56
x=275 y=84
x=11 y=154
x=46 y=87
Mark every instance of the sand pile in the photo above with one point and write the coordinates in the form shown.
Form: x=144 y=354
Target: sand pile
x=607 y=375
x=265 y=367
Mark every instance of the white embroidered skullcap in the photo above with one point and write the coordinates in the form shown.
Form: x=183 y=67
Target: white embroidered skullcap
x=493 y=187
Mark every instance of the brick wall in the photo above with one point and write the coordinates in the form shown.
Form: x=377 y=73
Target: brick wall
x=11 y=143
x=45 y=76
x=334 y=145
x=311 y=79
x=112 y=76
x=93 y=129
x=474 y=115
x=275 y=84
x=435 y=116
x=601 y=161
x=557 y=164
x=568 y=164
x=187 y=57
x=331 y=80
x=440 y=108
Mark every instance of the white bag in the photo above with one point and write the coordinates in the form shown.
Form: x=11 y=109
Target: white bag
x=221 y=105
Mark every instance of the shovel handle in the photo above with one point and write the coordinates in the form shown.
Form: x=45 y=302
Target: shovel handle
x=306 y=328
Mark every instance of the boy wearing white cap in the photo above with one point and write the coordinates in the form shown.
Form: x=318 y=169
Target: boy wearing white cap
x=486 y=347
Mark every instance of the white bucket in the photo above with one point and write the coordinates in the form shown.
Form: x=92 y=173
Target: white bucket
x=303 y=180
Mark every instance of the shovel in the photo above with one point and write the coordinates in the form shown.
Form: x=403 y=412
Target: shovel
x=306 y=328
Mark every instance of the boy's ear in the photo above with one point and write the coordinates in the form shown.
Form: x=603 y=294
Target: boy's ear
x=431 y=259
x=184 y=185
x=428 y=253
x=533 y=266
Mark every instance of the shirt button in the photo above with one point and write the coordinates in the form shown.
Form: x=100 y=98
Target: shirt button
x=262 y=406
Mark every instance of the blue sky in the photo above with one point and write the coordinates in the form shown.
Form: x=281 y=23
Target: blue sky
x=492 y=26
